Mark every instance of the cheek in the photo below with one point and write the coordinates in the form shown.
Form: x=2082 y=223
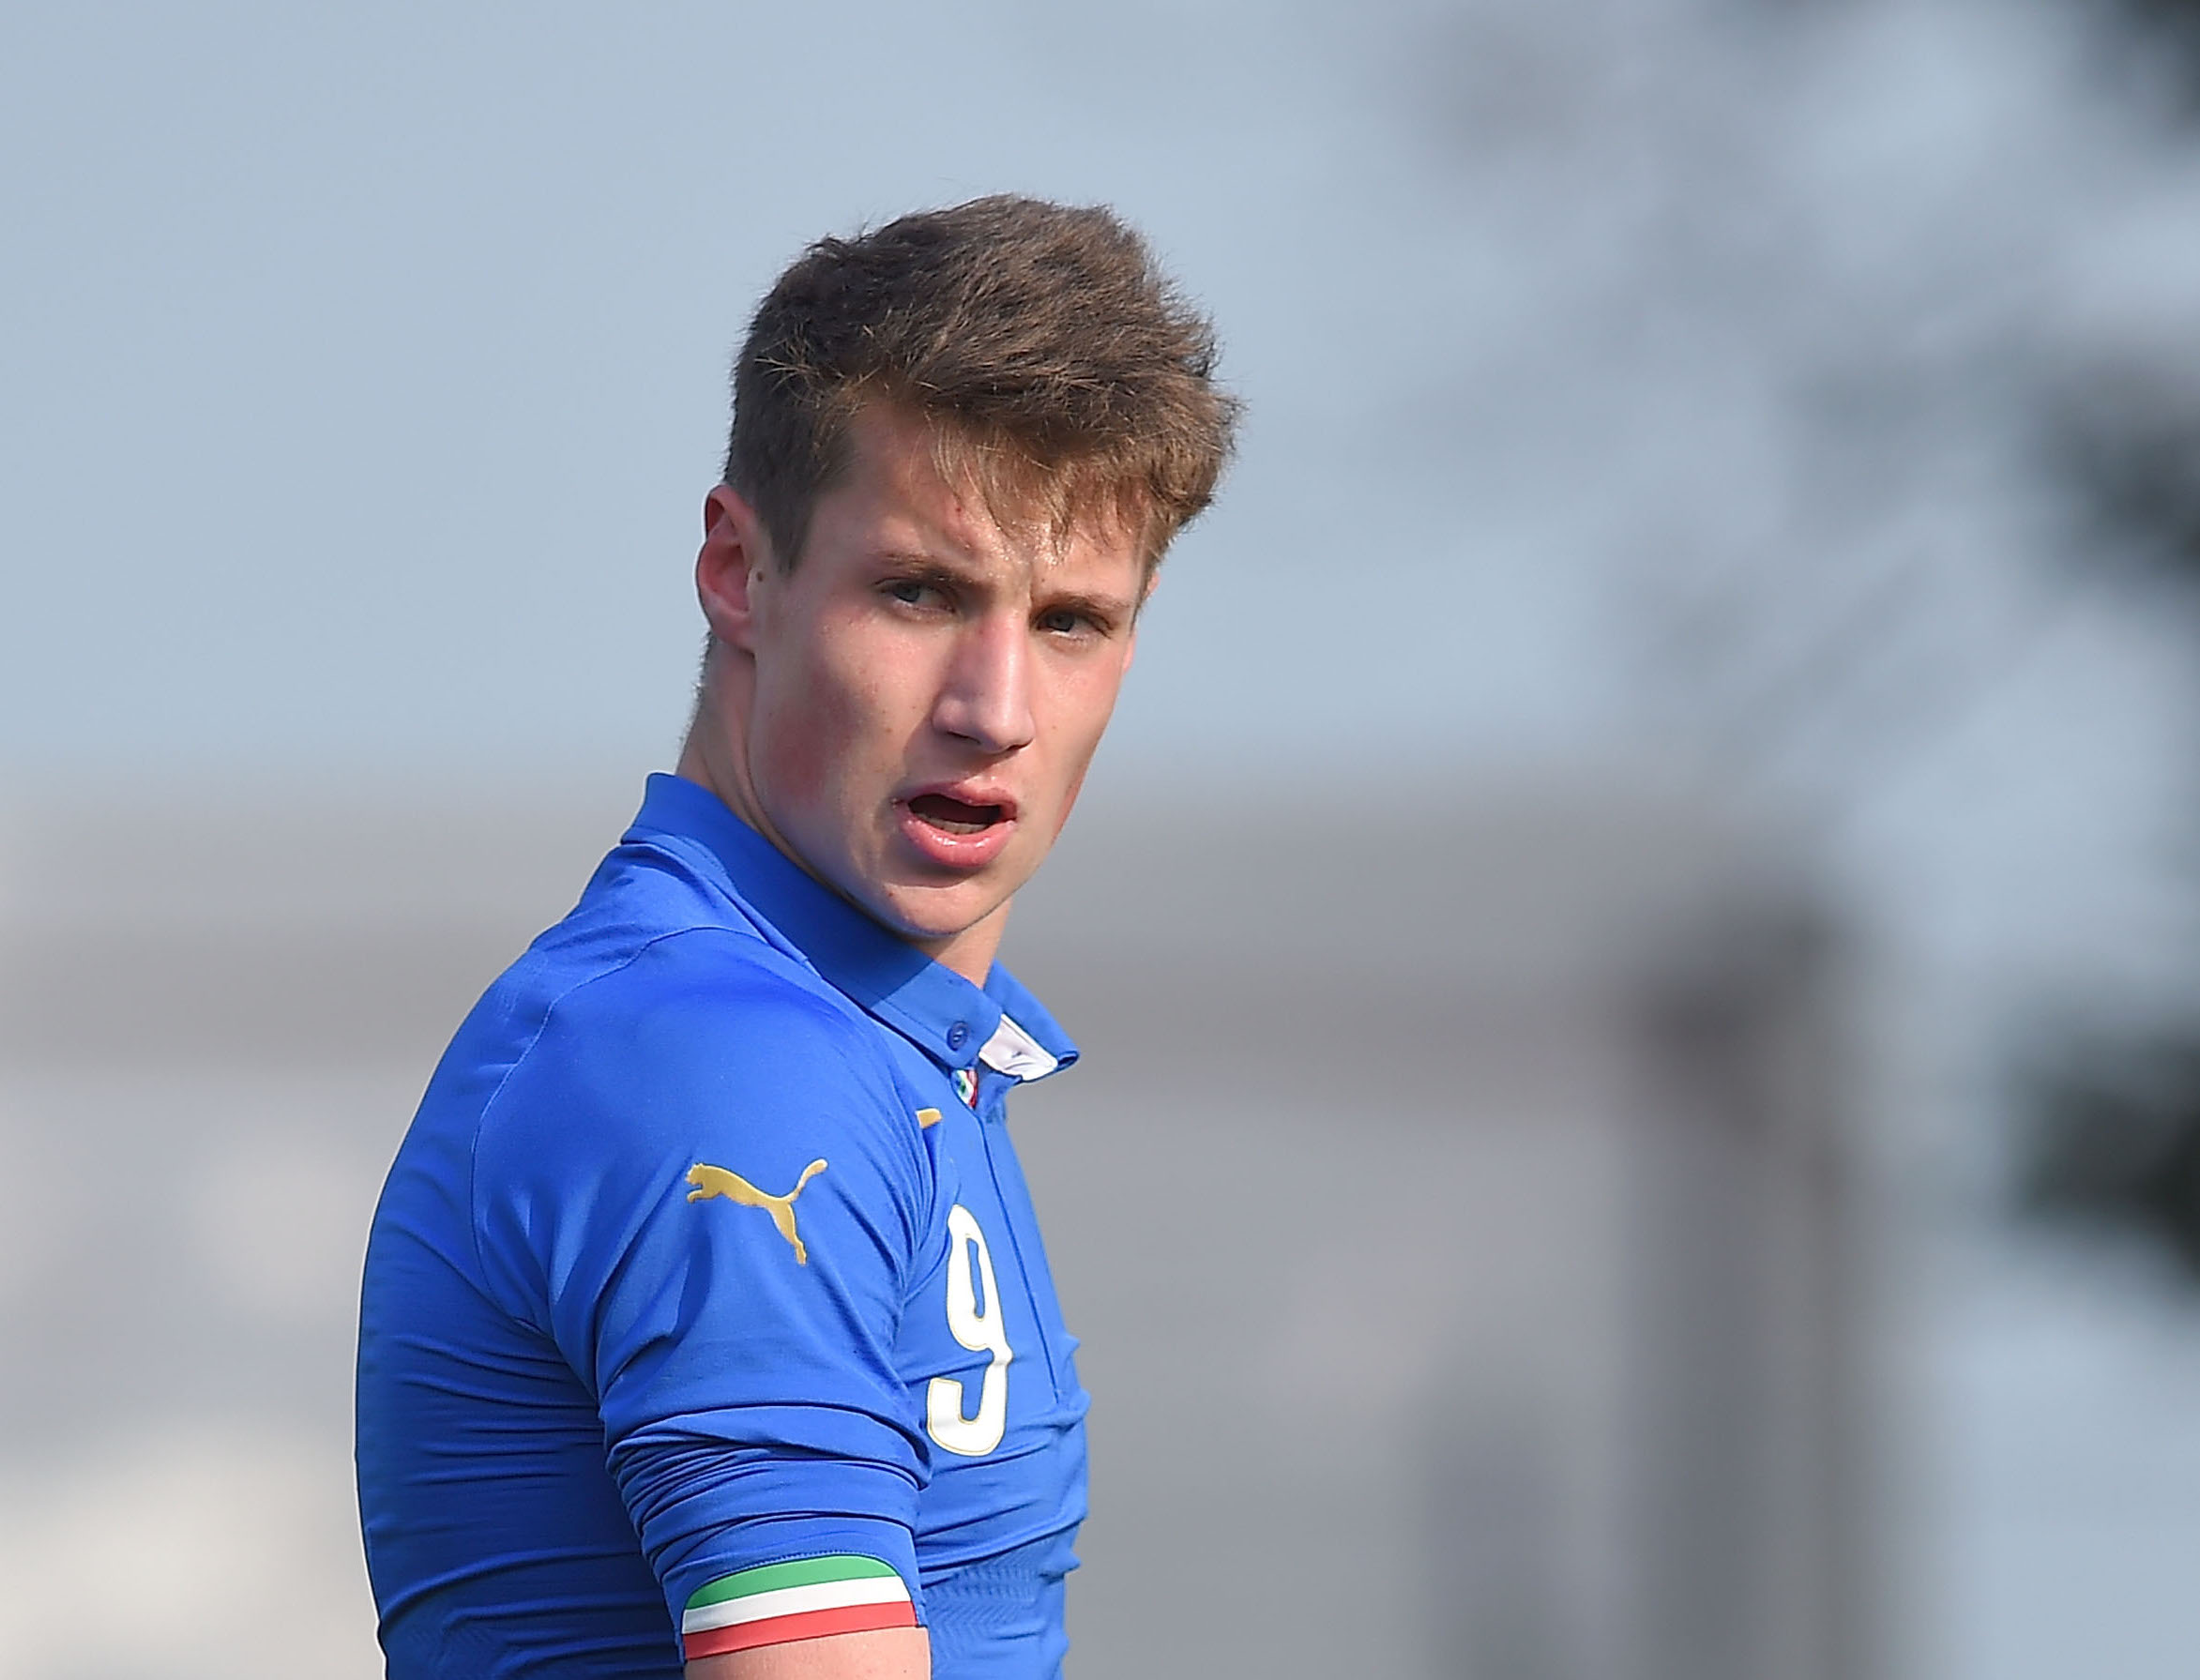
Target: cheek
x=815 y=731
x=1068 y=802
x=790 y=762
x=1081 y=718
x=800 y=740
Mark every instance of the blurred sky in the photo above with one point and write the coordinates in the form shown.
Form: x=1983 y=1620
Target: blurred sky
x=1628 y=383
x=1633 y=384
x=368 y=364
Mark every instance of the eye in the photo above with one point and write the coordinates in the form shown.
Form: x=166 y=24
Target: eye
x=1071 y=622
x=915 y=592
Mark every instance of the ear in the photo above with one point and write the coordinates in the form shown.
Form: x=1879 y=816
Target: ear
x=734 y=555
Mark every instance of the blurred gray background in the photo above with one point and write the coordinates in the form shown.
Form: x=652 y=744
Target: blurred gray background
x=1643 y=880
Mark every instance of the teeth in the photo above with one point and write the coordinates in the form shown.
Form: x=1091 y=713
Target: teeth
x=952 y=816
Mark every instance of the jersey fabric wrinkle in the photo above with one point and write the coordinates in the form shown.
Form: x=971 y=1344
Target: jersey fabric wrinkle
x=706 y=1251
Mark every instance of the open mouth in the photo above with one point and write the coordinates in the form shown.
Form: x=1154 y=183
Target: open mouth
x=954 y=816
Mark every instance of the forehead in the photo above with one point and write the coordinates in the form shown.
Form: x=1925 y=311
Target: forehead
x=910 y=483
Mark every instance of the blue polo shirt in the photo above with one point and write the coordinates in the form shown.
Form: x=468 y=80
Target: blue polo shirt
x=705 y=1306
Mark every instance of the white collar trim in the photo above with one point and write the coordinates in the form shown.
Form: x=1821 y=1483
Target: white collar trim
x=1012 y=1051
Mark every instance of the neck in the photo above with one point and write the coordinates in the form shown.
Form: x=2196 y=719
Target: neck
x=707 y=760
x=971 y=952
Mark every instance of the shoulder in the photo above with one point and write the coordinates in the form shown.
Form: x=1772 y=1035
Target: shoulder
x=695 y=1018
x=704 y=1046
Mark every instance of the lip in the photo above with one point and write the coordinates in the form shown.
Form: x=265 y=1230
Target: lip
x=961 y=853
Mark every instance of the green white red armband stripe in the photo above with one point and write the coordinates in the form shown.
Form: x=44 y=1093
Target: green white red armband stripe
x=788 y=1601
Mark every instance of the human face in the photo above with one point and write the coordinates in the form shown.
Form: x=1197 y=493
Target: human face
x=909 y=711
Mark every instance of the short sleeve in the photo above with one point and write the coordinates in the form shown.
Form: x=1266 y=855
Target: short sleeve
x=705 y=1184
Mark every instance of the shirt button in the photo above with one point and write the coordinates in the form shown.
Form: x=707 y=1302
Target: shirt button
x=958 y=1035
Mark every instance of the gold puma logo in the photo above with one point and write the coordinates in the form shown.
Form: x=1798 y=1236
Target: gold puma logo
x=717 y=1181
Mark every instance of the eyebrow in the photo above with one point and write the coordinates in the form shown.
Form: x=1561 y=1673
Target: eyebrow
x=1115 y=610
x=925 y=567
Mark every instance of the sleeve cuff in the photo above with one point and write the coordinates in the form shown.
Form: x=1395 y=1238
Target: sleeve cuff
x=810 y=1597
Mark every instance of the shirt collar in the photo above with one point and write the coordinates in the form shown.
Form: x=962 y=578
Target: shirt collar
x=1028 y=1043
x=933 y=1007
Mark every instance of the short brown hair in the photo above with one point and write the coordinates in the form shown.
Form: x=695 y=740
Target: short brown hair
x=1055 y=361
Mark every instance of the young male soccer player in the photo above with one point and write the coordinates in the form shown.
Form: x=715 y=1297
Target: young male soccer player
x=706 y=1319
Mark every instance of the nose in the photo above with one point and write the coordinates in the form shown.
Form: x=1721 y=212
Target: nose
x=986 y=699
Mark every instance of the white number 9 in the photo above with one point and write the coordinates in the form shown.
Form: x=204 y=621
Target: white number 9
x=981 y=1333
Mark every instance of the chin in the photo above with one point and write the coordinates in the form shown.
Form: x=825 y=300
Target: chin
x=925 y=913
